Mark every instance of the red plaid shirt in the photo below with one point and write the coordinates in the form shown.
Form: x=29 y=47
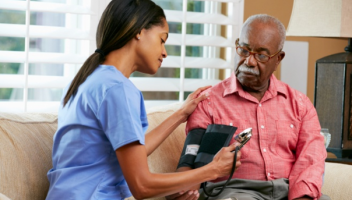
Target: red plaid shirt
x=286 y=141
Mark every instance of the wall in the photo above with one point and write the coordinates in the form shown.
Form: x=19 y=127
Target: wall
x=318 y=47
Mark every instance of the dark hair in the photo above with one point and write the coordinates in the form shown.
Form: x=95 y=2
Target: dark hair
x=121 y=21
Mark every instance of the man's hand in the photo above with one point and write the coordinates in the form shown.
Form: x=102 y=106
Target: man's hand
x=188 y=195
x=191 y=193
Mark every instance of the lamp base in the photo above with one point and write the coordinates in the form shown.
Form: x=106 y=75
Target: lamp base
x=333 y=100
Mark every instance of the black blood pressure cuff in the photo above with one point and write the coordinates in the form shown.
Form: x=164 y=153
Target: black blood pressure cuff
x=216 y=136
x=201 y=145
x=191 y=147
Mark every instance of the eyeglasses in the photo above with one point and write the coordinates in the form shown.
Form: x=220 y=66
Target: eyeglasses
x=258 y=56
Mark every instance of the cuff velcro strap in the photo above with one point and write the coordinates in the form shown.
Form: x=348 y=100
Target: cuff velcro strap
x=191 y=147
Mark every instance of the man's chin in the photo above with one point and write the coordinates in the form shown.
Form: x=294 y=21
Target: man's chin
x=246 y=80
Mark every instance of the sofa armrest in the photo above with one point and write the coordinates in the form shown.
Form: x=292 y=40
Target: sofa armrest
x=337 y=181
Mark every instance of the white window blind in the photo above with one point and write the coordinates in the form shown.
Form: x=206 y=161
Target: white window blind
x=200 y=48
x=45 y=42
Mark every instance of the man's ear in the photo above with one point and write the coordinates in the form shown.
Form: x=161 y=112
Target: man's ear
x=280 y=56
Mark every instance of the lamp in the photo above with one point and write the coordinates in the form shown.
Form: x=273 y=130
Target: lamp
x=333 y=73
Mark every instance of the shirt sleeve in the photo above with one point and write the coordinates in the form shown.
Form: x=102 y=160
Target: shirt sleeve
x=120 y=116
x=201 y=116
x=306 y=177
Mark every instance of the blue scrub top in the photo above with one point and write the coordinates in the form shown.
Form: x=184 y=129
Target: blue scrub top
x=106 y=113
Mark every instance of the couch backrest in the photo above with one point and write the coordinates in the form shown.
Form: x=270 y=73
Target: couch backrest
x=25 y=154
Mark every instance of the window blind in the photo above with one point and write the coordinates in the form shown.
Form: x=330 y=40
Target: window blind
x=53 y=39
x=45 y=42
x=202 y=42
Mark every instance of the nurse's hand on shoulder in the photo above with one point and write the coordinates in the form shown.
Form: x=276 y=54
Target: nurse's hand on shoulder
x=192 y=101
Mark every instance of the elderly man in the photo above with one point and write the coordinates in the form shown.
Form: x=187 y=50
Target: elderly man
x=286 y=155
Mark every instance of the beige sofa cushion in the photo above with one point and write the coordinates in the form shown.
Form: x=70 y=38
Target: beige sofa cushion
x=25 y=154
x=338 y=181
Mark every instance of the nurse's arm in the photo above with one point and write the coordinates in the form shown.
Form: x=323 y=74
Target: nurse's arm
x=144 y=184
x=156 y=136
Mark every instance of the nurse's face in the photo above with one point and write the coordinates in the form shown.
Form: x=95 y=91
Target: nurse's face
x=151 y=48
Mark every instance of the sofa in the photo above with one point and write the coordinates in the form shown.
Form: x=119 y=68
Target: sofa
x=26 y=144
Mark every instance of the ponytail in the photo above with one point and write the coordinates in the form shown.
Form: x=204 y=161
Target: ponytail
x=87 y=68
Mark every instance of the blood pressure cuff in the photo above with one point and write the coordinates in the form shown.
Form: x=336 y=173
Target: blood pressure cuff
x=191 y=147
x=201 y=145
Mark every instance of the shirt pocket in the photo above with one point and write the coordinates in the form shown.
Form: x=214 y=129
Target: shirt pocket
x=241 y=126
x=286 y=138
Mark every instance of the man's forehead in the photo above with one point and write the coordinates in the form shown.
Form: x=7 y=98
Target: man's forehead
x=254 y=44
x=259 y=39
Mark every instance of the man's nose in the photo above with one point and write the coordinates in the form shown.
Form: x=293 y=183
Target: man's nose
x=251 y=61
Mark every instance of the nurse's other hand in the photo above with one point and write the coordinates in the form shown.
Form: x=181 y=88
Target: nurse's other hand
x=192 y=101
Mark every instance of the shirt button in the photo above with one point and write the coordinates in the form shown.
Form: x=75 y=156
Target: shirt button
x=291 y=125
x=260 y=105
x=264 y=150
x=209 y=103
x=261 y=126
x=230 y=124
x=268 y=174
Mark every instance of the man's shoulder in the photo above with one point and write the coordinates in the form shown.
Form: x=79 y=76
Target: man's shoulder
x=219 y=88
x=289 y=91
x=297 y=98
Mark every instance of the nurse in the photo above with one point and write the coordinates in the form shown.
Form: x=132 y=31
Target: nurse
x=100 y=148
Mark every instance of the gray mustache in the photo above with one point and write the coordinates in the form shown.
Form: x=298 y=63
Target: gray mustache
x=244 y=68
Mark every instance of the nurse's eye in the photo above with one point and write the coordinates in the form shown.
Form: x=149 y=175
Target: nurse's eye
x=162 y=41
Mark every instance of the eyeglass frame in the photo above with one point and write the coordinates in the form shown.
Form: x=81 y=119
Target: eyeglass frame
x=254 y=53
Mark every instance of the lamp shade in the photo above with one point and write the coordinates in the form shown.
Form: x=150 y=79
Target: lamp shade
x=321 y=18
